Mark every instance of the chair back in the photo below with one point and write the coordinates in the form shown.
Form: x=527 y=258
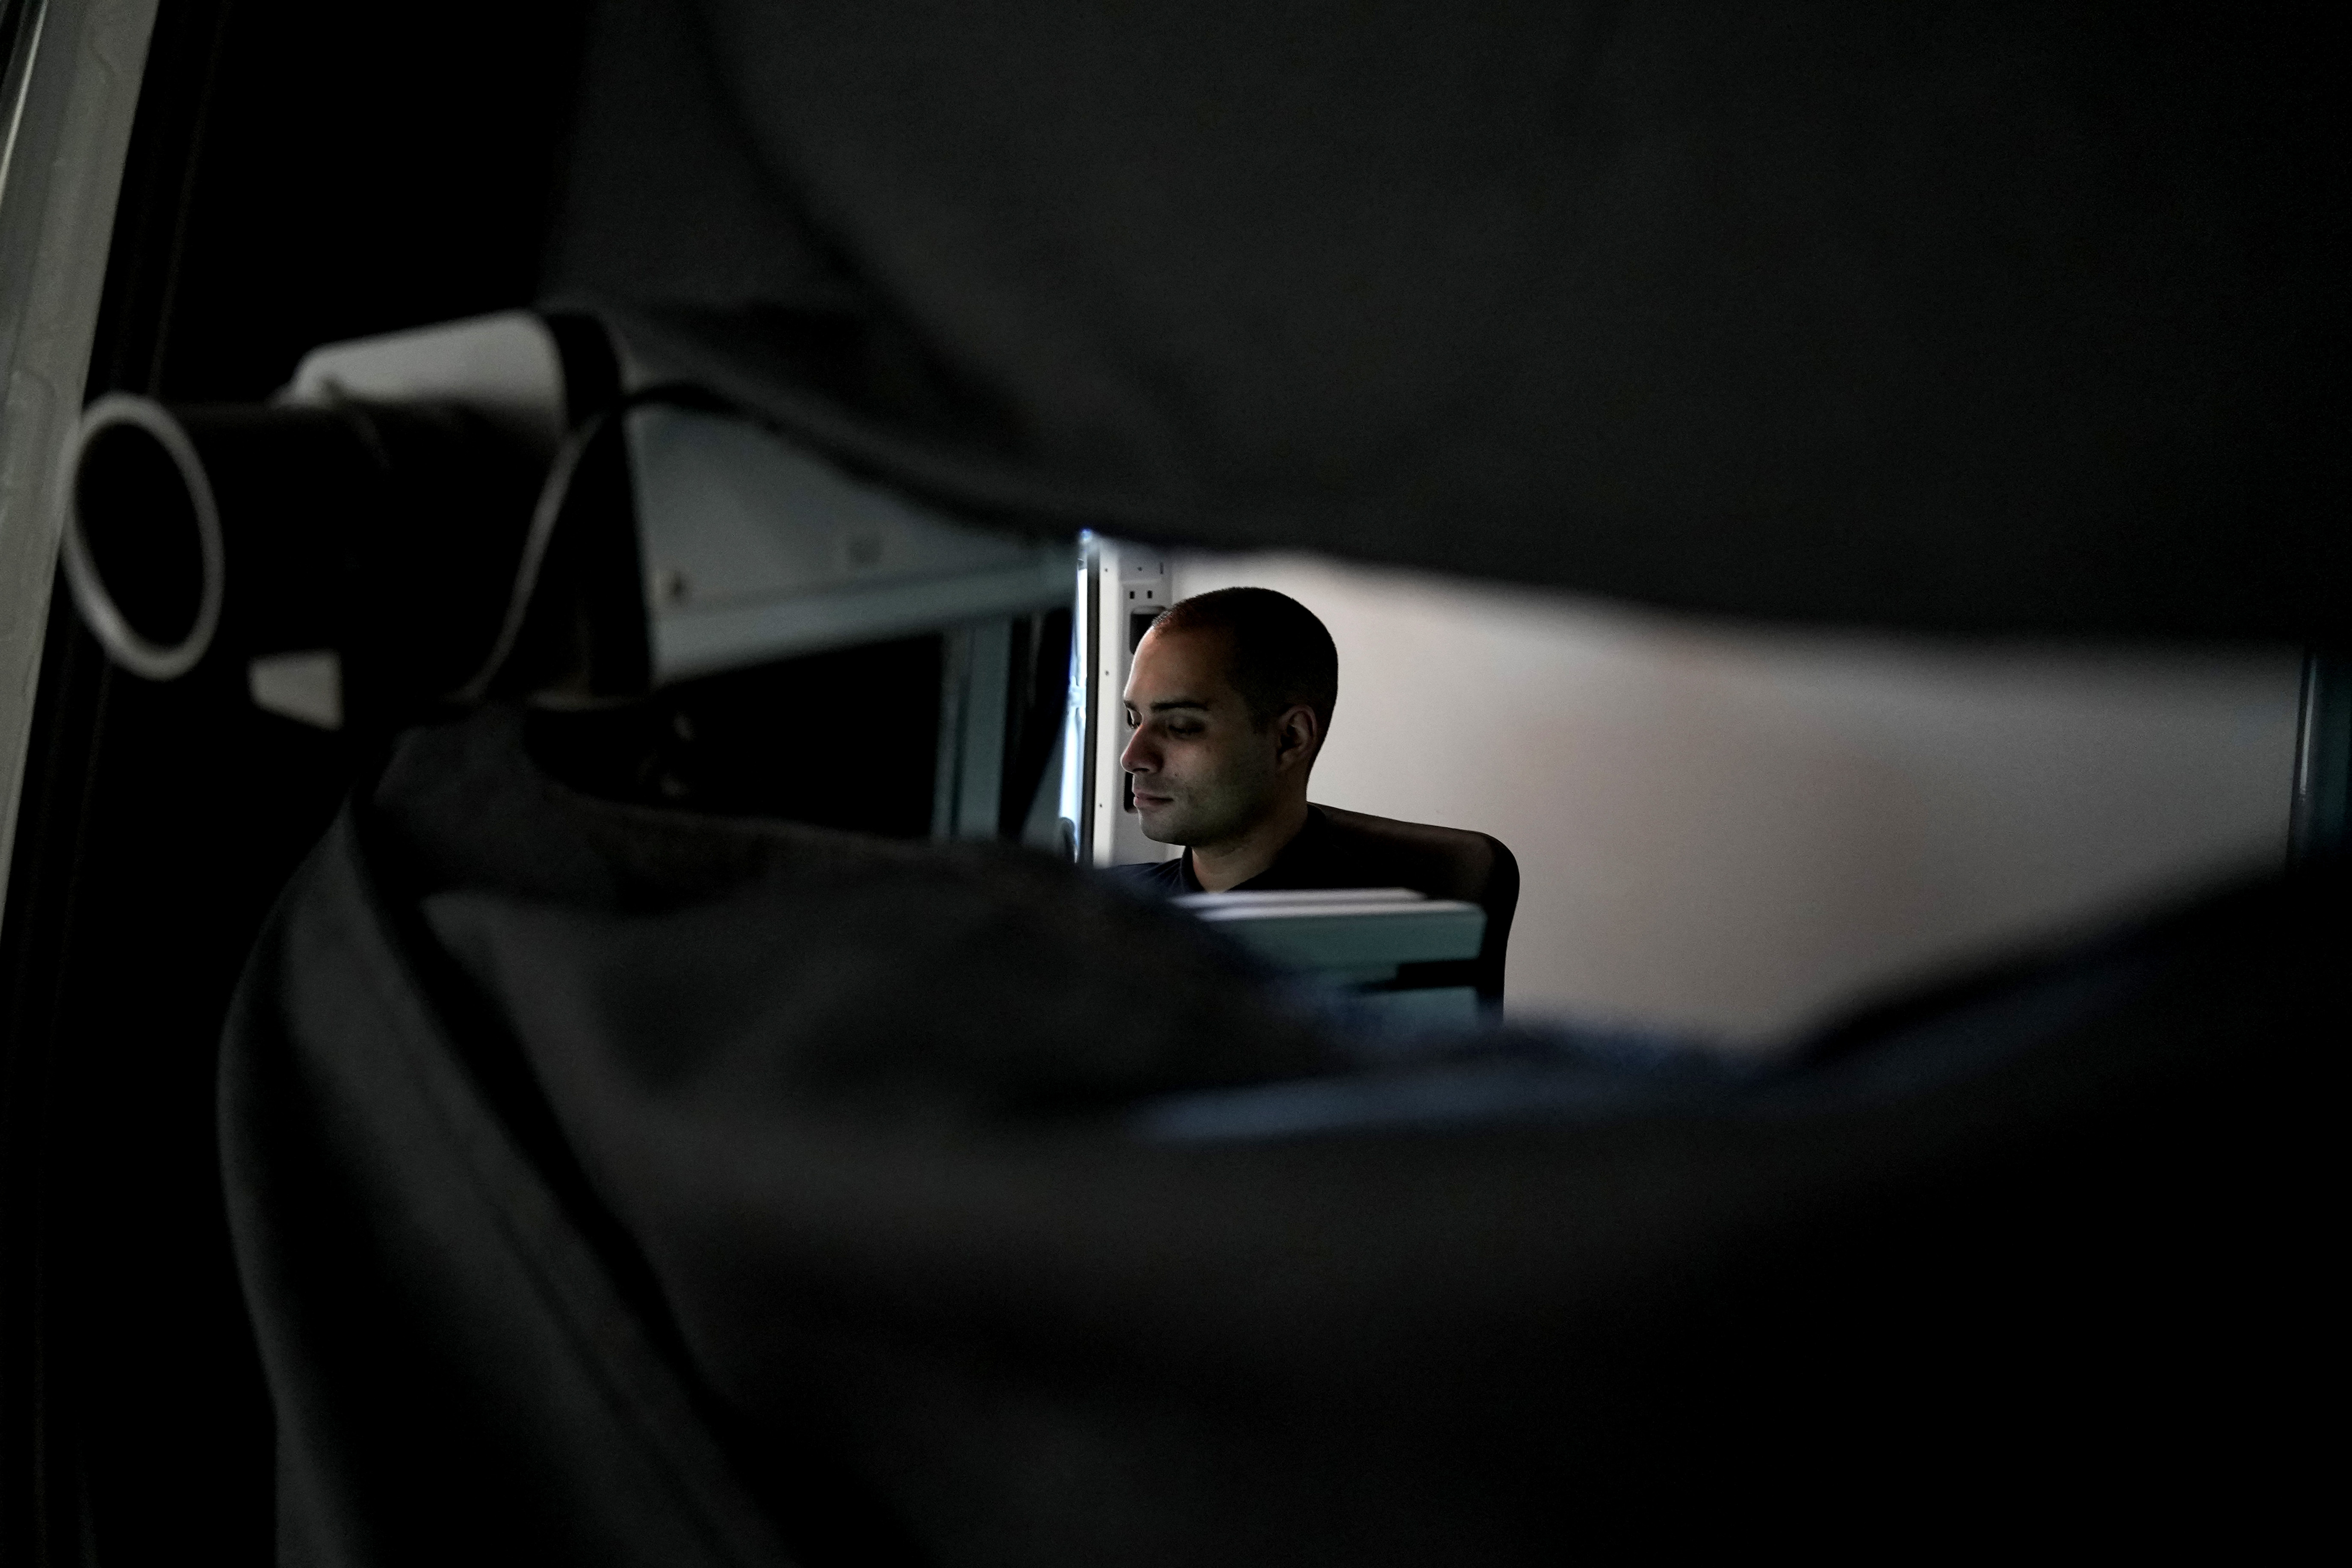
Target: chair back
x=1445 y=863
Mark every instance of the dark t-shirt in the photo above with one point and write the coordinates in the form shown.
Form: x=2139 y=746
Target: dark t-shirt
x=1322 y=854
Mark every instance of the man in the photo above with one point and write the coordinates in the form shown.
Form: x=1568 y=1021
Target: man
x=1230 y=698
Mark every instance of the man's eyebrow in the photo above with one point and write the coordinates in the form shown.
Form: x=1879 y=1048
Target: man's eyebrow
x=1163 y=705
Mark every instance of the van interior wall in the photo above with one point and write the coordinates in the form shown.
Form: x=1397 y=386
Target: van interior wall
x=1739 y=830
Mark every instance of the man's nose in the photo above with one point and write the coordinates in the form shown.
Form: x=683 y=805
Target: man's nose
x=1139 y=758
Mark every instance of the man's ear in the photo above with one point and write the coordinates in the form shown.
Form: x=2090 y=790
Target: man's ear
x=1297 y=736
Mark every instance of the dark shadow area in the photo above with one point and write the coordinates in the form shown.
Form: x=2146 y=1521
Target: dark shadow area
x=840 y=739
x=298 y=174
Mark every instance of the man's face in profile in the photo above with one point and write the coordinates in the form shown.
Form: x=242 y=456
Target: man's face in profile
x=1203 y=773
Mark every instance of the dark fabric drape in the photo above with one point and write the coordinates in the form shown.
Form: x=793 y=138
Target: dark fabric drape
x=1959 y=316
x=617 y=1185
x=612 y=1185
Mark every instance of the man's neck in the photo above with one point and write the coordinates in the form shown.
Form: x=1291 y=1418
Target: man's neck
x=1232 y=861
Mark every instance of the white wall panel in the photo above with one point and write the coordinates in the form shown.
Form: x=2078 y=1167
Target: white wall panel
x=1736 y=830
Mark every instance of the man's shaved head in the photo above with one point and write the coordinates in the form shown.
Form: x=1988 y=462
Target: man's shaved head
x=1228 y=696
x=1278 y=653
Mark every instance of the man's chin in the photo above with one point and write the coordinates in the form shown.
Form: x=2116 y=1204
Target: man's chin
x=1161 y=823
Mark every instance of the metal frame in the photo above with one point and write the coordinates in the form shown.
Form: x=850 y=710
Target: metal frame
x=2322 y=760
x=974 y=672
x=72 y=90
x=1119 y=576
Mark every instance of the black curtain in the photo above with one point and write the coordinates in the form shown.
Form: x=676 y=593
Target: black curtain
x=1961 y=316
x=1955 y=317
